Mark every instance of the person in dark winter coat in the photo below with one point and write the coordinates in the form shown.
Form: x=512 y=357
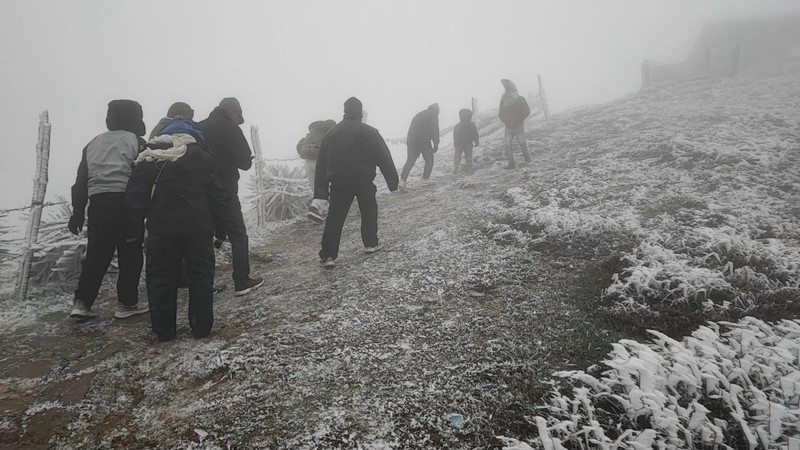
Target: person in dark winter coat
x=231 y=153
x=308 y=149
x=513 y=111
x=422 y=138
x=465 y=134
x=178 y=109
x=346 y=166
x=103 y=173
x=174 y=189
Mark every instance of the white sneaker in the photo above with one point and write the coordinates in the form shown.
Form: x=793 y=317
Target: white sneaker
x=123 y=312
x=373 y=249
x=80 y=311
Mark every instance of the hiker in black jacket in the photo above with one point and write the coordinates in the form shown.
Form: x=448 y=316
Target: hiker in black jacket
x=174 y=188
x=422 y=139
x=102 y=176
x=465 y=134
x=346 y=169
x=231 y=153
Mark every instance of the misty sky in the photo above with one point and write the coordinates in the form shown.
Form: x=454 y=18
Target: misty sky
x=293 y=62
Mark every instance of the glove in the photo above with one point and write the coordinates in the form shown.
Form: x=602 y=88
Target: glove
x=75 y=224
x=135 y=231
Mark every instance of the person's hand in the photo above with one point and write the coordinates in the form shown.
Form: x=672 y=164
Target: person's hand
x=75 y=224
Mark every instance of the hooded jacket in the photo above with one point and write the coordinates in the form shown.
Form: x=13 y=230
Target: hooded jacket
x=513 y=109
x=465 y=133
x=349 y=154
x=107 y=159
x=424 y=128
x=228 y=147
x=174 y=188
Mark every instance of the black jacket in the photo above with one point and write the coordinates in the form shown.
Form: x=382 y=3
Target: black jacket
x=465 y=132
x=186 y=199
x=424 y=129
x=228 y=146
x=349 y=154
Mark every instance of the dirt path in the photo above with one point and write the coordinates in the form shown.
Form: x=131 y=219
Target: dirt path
x=376 y=353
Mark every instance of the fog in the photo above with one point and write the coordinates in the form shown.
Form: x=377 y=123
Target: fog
x=294 y=62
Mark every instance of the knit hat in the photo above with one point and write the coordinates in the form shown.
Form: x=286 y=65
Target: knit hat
x=353 y=108
x=231 y=106
x=434 y=107
x=180 y=109
x=125 y=115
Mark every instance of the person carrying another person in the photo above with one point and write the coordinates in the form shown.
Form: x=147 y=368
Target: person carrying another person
x=513 y=111
x=465 y=134
x=231 y=153
x=422 y=138
x=308 y=149
x=103 y=174
x=178 y=109
x=173 y=187
x=346 y=166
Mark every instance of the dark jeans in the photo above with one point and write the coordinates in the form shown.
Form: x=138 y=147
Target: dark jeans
x=164 y=255
x=341 y=198
x=237 y=235
x=108 y=222
x=516 y=134
x=413 y=151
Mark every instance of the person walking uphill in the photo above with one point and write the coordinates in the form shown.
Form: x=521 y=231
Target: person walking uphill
x=308 y=149
x=103 y=174
x=231 y=153
x=465 y=134
x=513 y=111
x=345 y=169
x=422 y=138
x=174 y=188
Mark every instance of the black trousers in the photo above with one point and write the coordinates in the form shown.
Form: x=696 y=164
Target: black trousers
x=413 y=151
x=341 y=198
x=237 y=235
x=164 y=255
x=108 y=222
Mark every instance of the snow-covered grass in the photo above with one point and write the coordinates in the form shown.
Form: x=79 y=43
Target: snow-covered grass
x=729 y=385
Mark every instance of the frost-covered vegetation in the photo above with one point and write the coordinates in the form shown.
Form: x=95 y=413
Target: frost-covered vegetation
x=729 y=385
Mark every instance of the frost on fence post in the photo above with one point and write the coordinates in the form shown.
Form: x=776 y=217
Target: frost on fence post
x=37 y=202
x=543 y=98
x=475 y=108
x=260 y=171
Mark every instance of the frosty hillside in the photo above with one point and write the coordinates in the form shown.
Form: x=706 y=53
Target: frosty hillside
x=663 y=210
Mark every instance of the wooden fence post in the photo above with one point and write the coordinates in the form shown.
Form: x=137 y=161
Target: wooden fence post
x=475 y=108
x=261 y=213
x=646 y=74
x=37 y=204
x=543 y=98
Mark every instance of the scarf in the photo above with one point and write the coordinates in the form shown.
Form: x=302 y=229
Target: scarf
x=179 y=144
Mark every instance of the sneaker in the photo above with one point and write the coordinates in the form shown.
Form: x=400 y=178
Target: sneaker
x=327 y=263
x=123 y=311
x=373 y=249
x=315 y=215
x=247 y=286
x=80 y=311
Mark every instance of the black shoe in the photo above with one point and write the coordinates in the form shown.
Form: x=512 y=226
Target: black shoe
x=247 y=285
